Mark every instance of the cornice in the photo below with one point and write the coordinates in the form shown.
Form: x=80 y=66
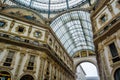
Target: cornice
x=44 y=48
x=114 y=28
x=49 y=29
x=101 y=5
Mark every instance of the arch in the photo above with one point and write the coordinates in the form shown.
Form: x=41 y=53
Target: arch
x=92 y=63
x=5 y=75
x=27 y=12
x=117 y=74
x=114 y=70
x=27 y=74
x=91 y=59
x=25 y=77
x=86 y=60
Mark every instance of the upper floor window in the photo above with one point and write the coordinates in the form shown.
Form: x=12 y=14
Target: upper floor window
x=114 y=52
x=20 y=29
x=103 y=18
x=37 y=34
x=31 y=63
x=9 y=58
x=2 y=24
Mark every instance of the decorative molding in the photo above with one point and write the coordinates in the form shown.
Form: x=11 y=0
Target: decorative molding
x=21 y=26
x=12 y=25
x=13 y=48
x=110 y=8
x=29 y=30
x=37 y=34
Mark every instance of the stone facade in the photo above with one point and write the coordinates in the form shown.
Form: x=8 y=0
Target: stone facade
x=29 y=49
x=106 y=28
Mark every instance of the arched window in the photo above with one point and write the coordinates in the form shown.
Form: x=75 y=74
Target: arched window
x=117 y=74
x=27 y=77
x=5 y=75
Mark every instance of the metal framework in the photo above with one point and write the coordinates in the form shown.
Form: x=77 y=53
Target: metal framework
x=53 y=6
x=74 y=31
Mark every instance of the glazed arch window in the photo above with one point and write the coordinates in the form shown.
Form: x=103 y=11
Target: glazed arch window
x=9 y=59
x=5 y=75
x=117 y=74
x=114 y=52
x=31 y=63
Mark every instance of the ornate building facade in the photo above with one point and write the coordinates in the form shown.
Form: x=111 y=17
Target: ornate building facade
x=48 y=39
x=29 y=50
x=106 y=29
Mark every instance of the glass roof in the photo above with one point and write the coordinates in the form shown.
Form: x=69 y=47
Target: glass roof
x=74 y=31
x=53 y=5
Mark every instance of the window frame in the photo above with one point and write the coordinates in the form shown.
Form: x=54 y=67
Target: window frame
x=5 y=23
x=17 y=29
x=11 y=62
x=29 y=62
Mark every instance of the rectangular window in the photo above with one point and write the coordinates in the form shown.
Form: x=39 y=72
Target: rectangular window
x=103 y=19
x=31 y=63
x=20 y=29
x=2 y=24
x=9 y=58
x=114 y=52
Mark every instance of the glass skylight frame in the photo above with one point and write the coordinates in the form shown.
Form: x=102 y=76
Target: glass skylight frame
x=53 y=6
x=75 y=33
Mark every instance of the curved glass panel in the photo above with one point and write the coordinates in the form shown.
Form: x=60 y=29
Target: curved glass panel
x=54 y=5
x=74 y=31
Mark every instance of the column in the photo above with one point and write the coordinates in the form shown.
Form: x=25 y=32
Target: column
x=19 y=66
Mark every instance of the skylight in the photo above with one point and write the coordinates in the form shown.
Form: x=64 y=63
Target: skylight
x=51 y=6
x=74 y=31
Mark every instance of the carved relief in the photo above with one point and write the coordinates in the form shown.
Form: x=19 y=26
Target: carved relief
x=11 y=25
x=28 y=17
x=110 y=8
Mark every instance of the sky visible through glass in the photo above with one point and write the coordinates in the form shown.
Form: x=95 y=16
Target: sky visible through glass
x=74 y=31
x=53 y=5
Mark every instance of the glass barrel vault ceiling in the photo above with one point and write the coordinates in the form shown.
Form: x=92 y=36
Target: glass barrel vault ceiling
x=51 y=6
x=74 y=31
